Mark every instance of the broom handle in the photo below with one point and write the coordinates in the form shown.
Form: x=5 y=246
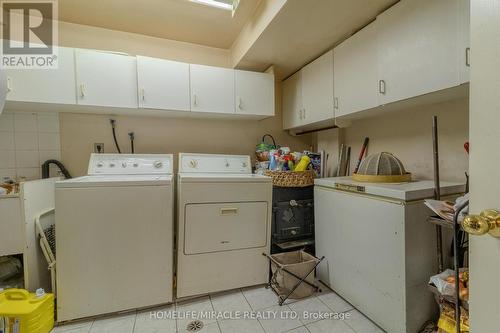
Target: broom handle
x=360 y=158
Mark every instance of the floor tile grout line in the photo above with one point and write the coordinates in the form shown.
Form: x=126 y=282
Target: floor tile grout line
x=135 y=321
x=213 y=309
x=352 y=307
x=361 y=313
x=218 y=325
x=261 y=326
x=176 y=324
x=251 y=307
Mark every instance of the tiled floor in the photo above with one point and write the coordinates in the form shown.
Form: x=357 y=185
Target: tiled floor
x=256 y=300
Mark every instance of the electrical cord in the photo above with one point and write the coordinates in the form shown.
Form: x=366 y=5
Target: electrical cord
x=132 y=138
x=113 y=122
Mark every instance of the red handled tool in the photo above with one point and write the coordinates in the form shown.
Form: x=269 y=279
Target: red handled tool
x=361 y=154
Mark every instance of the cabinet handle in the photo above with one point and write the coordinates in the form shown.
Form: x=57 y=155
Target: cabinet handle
x=239 y=103
x=82 y=90
x=467 y=56
x=9 y=84
x=381 y=87
x=303 y=113
x=143 y=95
x=195 y=100
x=300 y=114
x=336 y=103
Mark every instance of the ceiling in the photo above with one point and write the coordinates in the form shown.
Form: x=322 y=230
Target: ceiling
x=180 y=20
x=303 y=30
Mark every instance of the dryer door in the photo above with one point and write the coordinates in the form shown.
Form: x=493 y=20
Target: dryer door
x=216 y=227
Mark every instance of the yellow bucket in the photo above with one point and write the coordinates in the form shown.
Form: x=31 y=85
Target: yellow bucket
x=23 y=312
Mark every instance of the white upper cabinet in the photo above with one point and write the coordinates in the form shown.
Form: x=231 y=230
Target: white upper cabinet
x=212 y=89
x=45 y=85
x=106 y=79
x=163 y=84
x=308 y=94
x=417 y=48
x=128 y=83
x=355 y=72
x=317 y=89
x=254 y=93
x=414 y=48
x=292 y=101
x=464 y=41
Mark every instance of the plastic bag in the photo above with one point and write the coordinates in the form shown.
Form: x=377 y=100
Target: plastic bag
x=444 y=287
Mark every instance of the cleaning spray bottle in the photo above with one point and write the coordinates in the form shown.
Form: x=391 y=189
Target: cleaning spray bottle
x=303 y=163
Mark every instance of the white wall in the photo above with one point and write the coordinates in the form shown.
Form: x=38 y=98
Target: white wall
x=408 y=135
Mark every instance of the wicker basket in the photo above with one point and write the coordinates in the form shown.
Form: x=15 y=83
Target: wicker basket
x=291 y=178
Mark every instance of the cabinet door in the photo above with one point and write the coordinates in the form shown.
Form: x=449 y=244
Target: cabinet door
x=317 y=89
x=45 y=85
x=417 y=48
x=292 y=101
x=106 y=79
x=355 y=72
x=254 y=93
x=212 y=89
x=11 y=224
x=464 y=41
x=163 y=84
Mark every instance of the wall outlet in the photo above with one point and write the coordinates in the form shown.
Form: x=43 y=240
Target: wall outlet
x=99 y=148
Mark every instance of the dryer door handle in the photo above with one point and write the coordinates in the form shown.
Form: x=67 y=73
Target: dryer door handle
x=228 y=211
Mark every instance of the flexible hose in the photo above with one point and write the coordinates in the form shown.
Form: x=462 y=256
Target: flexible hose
x=46 y=169
x=112 y=121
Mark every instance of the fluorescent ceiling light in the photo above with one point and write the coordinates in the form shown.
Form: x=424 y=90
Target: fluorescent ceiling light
x=222 y=4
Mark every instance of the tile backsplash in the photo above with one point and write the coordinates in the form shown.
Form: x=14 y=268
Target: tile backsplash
x=27 y=139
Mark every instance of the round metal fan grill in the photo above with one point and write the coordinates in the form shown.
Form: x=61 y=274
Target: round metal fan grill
x=382 y=168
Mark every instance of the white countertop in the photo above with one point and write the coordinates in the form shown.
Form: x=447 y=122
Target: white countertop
x=414 y=190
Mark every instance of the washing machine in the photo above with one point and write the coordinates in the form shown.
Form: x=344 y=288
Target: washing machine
x=224 y=224
x=114 y=243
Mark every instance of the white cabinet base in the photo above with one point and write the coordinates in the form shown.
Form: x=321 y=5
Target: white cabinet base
x=51 y=108
x=380 y=265
x=451 y=94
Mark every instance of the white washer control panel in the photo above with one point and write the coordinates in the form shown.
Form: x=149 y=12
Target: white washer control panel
x=130 y=164
x=212 y=163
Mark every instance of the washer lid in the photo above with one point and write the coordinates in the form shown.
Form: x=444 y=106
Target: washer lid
x=130 y=164
x=115 y=181
x=214 y=163
x=222 y=178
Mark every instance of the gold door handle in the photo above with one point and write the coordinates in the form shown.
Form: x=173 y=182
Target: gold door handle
x=487 y=222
